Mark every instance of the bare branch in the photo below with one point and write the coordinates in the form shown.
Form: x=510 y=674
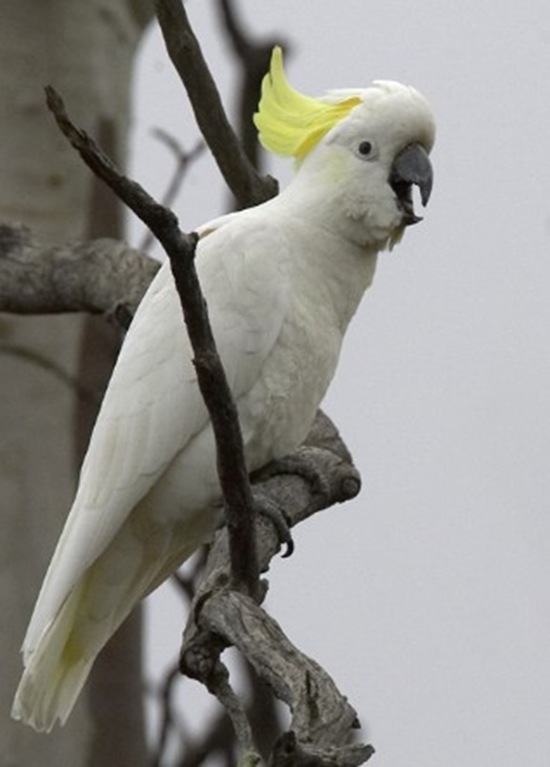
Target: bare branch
x=180 y=248
x=340 y=481
x=322 y=717
x=288 y=752
x=254 y=57
x=162 y=221
x=218 y=685
x=183 y=47
x=183 y=161
x=101 y=276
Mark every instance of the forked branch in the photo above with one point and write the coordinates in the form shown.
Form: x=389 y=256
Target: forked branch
x=248 y=186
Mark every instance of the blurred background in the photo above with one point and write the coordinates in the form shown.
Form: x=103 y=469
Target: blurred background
x=428 y=597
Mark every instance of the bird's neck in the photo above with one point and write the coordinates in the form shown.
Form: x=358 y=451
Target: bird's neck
x=335 y=269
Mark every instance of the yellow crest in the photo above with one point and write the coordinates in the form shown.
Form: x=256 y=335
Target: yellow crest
x=290 y=123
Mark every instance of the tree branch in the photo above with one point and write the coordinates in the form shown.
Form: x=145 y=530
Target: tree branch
x=320 y=713
x=101 y=276
x=162 y=221
x=340 y=481
x=180 y=248
x=183 y=161
x=322 y=719
x=288 y=752
x=254 y=57
x=183 y=47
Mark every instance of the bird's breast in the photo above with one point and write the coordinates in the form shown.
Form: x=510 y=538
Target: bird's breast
x=277 y=413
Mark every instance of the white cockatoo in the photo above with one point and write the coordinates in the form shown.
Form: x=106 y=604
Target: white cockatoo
x=282 y=281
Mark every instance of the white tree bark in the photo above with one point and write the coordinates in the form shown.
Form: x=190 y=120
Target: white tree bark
x=86 y=50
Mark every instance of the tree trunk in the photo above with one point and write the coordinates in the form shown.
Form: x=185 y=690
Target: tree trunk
x=86 y=51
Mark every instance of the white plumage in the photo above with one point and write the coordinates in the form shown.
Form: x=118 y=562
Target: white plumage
x=282 y=282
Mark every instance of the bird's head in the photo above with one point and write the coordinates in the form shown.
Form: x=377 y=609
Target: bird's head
x=359 y=153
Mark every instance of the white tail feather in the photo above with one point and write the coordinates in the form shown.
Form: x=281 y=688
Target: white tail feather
x=53 y=676
x=57 y=669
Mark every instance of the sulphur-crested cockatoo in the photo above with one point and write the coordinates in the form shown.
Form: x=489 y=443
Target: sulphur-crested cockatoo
x=282 y=281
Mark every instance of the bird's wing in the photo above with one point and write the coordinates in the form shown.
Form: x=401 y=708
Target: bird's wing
x=153 y=405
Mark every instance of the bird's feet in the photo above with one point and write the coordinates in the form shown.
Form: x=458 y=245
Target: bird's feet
x=278 y=518
x=299 y=464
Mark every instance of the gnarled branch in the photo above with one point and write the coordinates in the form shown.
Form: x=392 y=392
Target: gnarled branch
x=322 y=718
x=101 y=276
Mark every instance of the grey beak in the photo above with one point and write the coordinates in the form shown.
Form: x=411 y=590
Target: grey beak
x=411 y=166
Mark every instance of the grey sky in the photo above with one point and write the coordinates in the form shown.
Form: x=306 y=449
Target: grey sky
x=428 y=598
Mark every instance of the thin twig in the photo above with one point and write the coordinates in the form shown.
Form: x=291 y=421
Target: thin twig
x=183 y=162
x=247 y=185
x=180 y=248
x=218 y=685
x=162 y=221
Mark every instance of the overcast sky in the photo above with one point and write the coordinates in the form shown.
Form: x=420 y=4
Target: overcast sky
x=427 y=598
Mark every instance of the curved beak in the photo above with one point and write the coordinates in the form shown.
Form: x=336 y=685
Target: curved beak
x=410 y=167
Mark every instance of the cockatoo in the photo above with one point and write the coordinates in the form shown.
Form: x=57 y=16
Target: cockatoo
x=282 y=281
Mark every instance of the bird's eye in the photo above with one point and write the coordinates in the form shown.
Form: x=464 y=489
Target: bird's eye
x=365 y=148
